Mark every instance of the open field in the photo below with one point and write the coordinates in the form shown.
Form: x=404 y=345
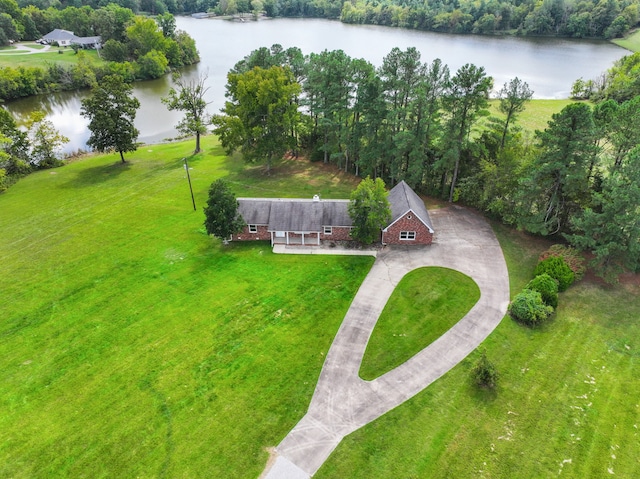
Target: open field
x=631 y=42
x=135 y=345
x=426 y=304
x=536 y=114
x=19 y=58
x=567 y=403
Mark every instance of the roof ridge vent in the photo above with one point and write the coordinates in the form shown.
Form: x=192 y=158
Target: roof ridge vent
x=316 y=197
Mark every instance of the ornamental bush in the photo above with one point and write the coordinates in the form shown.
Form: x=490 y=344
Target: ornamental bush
x=558 y=269
x=547 y=287
x=484 y=373
x=570 y=255
x=528 y=308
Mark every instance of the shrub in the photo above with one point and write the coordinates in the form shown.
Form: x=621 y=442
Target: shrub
x=547 y=287
x=558 y=269
x=484 y=373
x=570 y=255
x=528 y=308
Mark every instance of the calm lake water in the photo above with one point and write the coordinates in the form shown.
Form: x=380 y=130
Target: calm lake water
x=550 y=66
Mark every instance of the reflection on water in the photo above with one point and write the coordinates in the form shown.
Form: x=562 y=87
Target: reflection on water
x=550 y=66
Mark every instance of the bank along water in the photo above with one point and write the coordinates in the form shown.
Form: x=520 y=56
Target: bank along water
x=548 y=65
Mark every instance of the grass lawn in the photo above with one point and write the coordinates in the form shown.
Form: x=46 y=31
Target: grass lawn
x=426 y=303
x=132 y=344
x=566 y=405
x=631 y=42
x=536 y=115
x=68 y=57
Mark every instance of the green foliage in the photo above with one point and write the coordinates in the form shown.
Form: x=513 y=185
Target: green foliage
x=528 y=308
x=189 y=97
x=611 y=229
x=465 y=100
x=547 y=287
x=152 y=65
x=111 y=110
x=484 y=373
x=570 y=255
x=261 y=115
x=558 y=269
x=44 y=141
x=125 y=37
x=369 y=210
x=221 y=213
x=558 y=182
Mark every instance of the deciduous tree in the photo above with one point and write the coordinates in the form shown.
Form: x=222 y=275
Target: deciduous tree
x=369 y=210
x=221 y=213
x=44 y=140
x=111 y=110
x=260 y=115
x=188 y=96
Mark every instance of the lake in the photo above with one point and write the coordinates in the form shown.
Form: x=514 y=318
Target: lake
x=548 y=65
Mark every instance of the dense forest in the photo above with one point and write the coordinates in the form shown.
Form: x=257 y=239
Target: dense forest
x=407 y=120
x=134 y=47
x=580 y=19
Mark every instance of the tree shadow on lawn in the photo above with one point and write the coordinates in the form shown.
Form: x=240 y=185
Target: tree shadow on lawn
x=97 y=174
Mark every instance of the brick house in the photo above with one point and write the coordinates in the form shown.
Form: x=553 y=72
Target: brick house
x=308 y=222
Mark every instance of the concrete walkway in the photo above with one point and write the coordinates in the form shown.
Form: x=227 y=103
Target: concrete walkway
x=342 y=402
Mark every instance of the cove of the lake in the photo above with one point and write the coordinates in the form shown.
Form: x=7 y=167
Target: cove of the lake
x=548 y=65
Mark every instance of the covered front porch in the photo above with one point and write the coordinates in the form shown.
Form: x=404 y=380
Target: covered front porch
x=302 y=238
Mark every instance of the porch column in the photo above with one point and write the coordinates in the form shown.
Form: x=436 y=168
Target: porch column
x=303 y=238
x=287 y=234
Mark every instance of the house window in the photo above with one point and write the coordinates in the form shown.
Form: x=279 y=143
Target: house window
x=253 y=228
x=328 y=230
x=407 y=235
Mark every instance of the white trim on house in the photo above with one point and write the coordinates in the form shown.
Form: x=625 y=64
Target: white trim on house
x=407 y=235
x=253 y=228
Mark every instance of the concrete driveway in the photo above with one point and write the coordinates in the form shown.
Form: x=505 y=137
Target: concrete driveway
x=342 y=402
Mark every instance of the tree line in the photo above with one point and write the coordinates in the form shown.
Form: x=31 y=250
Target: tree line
x=579 y=179
x=134 y=47
x=584 y=19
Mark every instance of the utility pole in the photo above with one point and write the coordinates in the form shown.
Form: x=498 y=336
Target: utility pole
x=186 y=167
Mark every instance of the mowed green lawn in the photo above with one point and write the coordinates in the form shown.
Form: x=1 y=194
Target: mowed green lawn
x=630 y=42
x=567 y=404
x=536 y=115
x=426 y=303
x=19 y=58
x=132 y=344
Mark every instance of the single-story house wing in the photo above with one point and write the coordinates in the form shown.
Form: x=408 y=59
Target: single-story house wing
x=310 y=221
x=294 y=221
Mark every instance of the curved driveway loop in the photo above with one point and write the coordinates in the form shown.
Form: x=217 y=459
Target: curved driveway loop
x=342 y=402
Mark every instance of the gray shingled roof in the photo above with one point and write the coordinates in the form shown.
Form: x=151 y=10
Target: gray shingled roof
x=402 y=199
x=285 y=214
x=86 y=40
x=59 y=35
